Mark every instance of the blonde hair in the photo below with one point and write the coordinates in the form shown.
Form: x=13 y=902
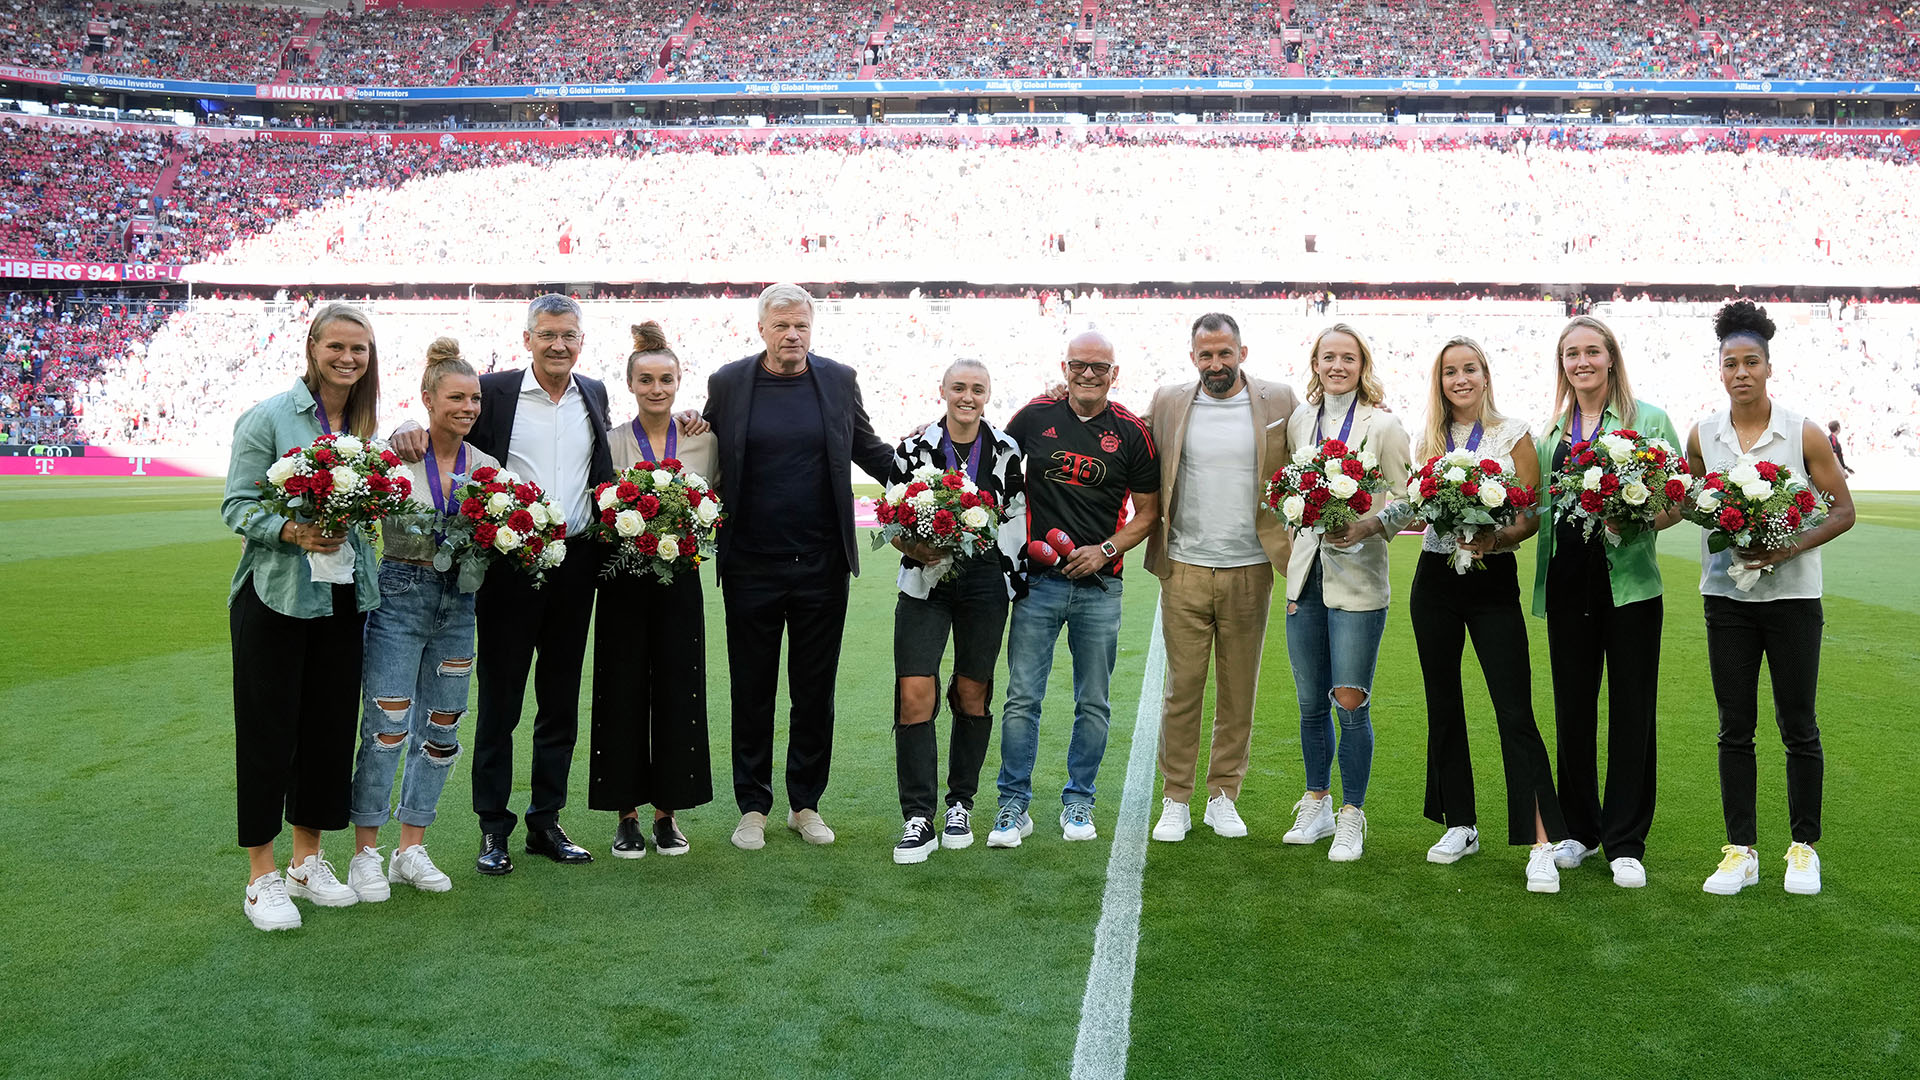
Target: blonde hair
x=363 y=400
x=1370 y=391
x=649 y=340
x=443 y=359
x=1433 y=440
x=1619 y=391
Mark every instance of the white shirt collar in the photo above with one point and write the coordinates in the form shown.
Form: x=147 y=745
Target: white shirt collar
x=1774 y=429
x=530 y=384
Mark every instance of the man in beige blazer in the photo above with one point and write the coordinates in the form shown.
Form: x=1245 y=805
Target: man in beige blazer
x=1215 y=551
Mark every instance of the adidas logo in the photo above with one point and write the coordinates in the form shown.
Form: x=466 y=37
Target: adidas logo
x=1048 y=434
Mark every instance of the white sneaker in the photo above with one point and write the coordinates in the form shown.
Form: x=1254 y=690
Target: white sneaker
x=1803 y=870
x=1349 y=835
x=1628 y=873
x=1455 y=844
x=1739 y=868
x=1224 y=818
x=810 y=826
x=1076 y=822
x=1542 y=875
x=1009 y=828
x=751 y=833
x=267 y=906
x=312 y=879
x=365 y=878
x=1176 y=819
x=411 y=866
x=1569 y=854
x=1313 y=820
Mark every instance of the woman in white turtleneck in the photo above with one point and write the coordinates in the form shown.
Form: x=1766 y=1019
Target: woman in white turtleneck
x=1337 y=595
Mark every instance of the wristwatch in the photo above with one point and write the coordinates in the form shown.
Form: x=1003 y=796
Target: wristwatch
x=1107 y=549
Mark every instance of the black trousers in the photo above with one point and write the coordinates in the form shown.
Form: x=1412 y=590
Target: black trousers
x=1446 y=607
x=516 y=622
x=1787 y=634
x=296 y=714
x=649 y=721
x=805 y=598
x=972 y=606
x=1584 y=639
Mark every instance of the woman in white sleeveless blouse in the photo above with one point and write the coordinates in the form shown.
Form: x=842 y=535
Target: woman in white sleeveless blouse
x=1778 y=617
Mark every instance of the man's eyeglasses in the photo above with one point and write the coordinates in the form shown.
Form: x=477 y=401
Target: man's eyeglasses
x=1081 y=367
x=548 y=337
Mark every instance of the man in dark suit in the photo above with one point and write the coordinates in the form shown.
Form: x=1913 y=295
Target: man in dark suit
x=790 y=425
x=549 y=426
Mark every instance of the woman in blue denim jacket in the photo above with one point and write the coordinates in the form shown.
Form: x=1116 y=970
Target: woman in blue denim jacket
x=296 y=641
x=419 y=648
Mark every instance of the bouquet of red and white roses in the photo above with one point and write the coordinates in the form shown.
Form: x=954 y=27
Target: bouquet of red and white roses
x=339 y=482
x=1622 y=478
x=1326 y=486
x=1460 y=496
x=1755 y=505
x=502 y=517
x=659 y=517
x=943 y=509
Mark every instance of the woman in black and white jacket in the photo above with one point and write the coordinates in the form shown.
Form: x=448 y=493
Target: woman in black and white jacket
x=972 y=604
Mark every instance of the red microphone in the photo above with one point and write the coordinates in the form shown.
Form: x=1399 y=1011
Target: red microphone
x=1061 y=543
x=1040 y=553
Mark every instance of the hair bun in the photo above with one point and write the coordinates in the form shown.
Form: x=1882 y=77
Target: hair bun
x=1743 y=317
x=648 y=337
x=442 y=350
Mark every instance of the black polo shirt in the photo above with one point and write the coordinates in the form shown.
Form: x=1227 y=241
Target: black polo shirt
x=1079 y=472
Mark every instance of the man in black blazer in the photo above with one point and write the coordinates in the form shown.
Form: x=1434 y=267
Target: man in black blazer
x=548 y=425
x=790 y=426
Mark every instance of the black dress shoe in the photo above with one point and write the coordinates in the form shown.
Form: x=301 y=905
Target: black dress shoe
x=667 y=838
x=628 y=841
x=493 y=859
x=553 y=843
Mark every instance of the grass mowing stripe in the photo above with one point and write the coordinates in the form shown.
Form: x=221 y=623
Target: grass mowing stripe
x=1100 y=1050
x=23 y=539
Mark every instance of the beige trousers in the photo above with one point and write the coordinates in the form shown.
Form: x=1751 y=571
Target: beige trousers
x=1223 y=613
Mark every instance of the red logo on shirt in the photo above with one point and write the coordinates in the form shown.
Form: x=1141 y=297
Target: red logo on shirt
x=1048 y=434
x=1109 y=442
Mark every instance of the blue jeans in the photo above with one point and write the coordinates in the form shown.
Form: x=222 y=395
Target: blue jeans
x=1092 y=619
x=419 y=660
x=1331 y=649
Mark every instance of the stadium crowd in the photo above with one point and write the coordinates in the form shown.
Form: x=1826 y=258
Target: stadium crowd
x=738 y=40
x=73 y=196
x=54 y=352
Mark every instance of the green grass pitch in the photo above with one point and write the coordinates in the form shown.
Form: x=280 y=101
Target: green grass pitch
x=125 y=954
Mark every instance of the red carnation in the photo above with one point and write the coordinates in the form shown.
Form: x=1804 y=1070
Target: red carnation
x=1427 y=469
x=608 y=515
x=1716 y=482
x=1429 y=488
x=672 y=463
x=969 y=500
x=1590 y=501
x=1319 y=497
x=1361 y=502
x=404 y=486
x=296 y=484
x=1627 y=433
x=520 y=521
x=326 y=456
x=379 y=483
x=559 y=530
x=647 y=544
x=953 y=481
x=1333 y=448
x=1768 y=471
x=694 y=497
x=1310 y=515
x=535 y=546
x=473 y=508
x=1273 y=500
x=1676 y=489
x=1353 y=468
x=1469 y=488
x=986 y=499
x=905 y=515
x=689 y=546
x=915 y=488
x=645 y=466
x=291 y=452
x=649 y=507
x=526 y=493
x=883 y=513
x=1587 y=458
x=627 y=491
x=320 y=484
x=1732 y=520
x=391 y=459
x=484 y=533
x=1519 y=497
x=1609 y=484
x=1793 y=517
x=485 y=474
x=1659 y=456
x=1579 y=448
x=1489 y=466
x=1804 y=499
x=944 y=523
x=1309 y=481
x=494 y=488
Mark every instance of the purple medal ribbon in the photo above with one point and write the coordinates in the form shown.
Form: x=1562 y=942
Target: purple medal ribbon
x=325 y=428
x=973 y=455
x=646 y=447
x=1346 y=427
x=1473 y=437
x=440 y=498
x=1577 y=439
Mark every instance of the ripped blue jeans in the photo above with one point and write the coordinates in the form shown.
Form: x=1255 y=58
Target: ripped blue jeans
x=1331 y=648
x=413 y=689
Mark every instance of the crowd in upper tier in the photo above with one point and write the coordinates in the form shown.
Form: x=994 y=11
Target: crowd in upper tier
x=743 y=40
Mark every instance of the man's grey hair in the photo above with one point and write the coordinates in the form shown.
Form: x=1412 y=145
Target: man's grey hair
x=784 y=295
x=554 y=304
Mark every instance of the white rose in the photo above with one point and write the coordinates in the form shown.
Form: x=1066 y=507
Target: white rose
x=1457 y=457
x=349 y=446
x=1343 y=486
x=1334 y=465
x=896 y=493
x=539 y=515
x=1621 y=451
x=1743 y=473
x=661 y=478
x=707 y=512
x=344 y=479
x=924 y=500
x=283 y=470
x=1305 y=454
x=1707 y=501
x=1757 y=490
x=499 y=503
x=628 y=523
x=974 y=517
x=1413 y=489
x=927 y=474
x=1367 y=459
x=1492 y=495
x=968 y=487
x=554 y=554
x=507 y=477
x=1590 y=480
x=669 y=546
x=1294 y=507
x=693 y=479
x=1454 y=475
x=609 y=497
x=506 y=539
x=1635 y=493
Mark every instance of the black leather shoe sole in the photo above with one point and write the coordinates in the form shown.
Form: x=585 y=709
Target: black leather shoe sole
x=494 y=864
